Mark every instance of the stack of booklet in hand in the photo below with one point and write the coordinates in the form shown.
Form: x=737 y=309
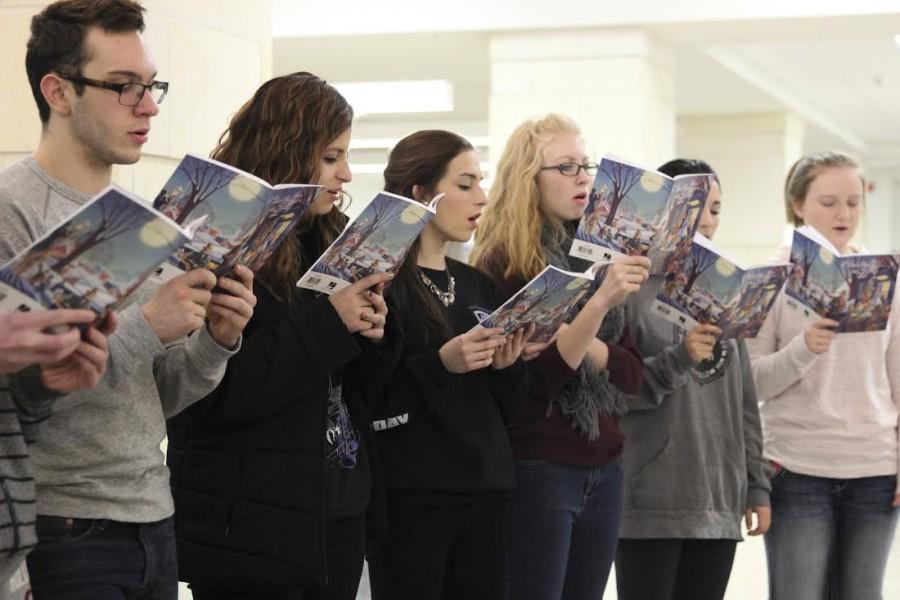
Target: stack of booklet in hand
x=635 y=211
x=377 y=241
x=710 y=288
x=856 y=290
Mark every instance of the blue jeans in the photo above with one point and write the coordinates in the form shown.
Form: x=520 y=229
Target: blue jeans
x=564 y=529
x=97 y=559
x=830 y=538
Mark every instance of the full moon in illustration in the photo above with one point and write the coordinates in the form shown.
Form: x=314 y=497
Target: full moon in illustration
x=651 y=181
x=243 y=189
x=412 y=214
x=157 y=234
x=725 y=268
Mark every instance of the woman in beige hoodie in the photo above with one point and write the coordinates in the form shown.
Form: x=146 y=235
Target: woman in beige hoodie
x=830 y=407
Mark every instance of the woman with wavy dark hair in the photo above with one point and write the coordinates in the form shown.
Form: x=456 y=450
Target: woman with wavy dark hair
x=440 y=423
x=272 y=473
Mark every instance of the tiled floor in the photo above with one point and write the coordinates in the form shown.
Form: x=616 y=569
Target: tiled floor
x=748 y=579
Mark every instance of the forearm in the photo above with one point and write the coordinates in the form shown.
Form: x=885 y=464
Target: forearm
x=774 y=373
x=598 y=353
x=576 y=339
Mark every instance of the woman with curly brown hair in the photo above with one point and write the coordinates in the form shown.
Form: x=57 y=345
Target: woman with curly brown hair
x=272 y=473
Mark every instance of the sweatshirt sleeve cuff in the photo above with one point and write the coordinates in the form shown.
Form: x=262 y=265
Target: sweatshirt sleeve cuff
x=206 y=354
x=134 y=339
x=799 y=355
x=757 y=497
x=682 y=359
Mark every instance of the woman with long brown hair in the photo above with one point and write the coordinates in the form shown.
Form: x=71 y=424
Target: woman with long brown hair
x=272 y=473
x=440 y=423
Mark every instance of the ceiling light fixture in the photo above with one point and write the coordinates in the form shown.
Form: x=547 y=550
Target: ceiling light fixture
x=392 y=97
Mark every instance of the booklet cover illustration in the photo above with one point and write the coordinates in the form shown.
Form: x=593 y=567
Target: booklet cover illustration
x=94 y=259
x=375 y=242
x=636 y=211
x=549 y=300
x=244 y=219
x=855 y=290
x=711 y=288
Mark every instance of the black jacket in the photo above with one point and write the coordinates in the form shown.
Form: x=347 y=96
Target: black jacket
x=248 y=461
x=442 y=436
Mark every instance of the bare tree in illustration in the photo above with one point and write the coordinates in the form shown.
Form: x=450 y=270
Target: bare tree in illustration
x=116 y=217
x=622 y=178
x=378 y=214
x=205 y=180
x=698 y=261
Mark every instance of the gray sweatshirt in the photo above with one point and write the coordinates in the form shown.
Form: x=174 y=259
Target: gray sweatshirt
x=98 y=455
x=693 y=461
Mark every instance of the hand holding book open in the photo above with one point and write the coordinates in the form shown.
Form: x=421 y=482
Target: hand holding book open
x=179 y=306
x=361 y=305
x=624 y=276
x=819 y=334
x=229 y=312
x=83 y=368
x=69 y=359
x=509 y=353
x=700 y=342
x=472 y=350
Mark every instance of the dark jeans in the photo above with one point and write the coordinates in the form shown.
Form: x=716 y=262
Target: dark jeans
x=346 y=549
x=97 y=559
x=673 y=569
x=830 y=538
x=565 y=524
x=442 y=552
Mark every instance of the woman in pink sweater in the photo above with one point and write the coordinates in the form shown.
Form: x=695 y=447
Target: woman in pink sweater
x=830 y=407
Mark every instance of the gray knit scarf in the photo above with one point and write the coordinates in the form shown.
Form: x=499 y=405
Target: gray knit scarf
x=589 y=395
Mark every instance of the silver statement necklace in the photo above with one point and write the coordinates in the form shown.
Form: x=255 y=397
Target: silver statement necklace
x=447 y=297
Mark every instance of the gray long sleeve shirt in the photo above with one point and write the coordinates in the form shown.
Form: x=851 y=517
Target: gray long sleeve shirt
x=693 y=461
x=98 y=455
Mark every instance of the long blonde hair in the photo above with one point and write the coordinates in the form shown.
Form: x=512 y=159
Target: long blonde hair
x=510 y=228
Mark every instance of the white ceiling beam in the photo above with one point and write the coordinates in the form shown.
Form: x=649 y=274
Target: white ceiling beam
x=791 y=100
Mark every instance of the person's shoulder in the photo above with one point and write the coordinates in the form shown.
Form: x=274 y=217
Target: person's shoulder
x=20 y=193
x=17 y=181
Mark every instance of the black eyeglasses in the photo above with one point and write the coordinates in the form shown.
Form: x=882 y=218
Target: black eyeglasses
x=130 y=94
x=571 y=169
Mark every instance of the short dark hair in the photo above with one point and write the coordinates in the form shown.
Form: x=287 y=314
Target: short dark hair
x=57 y=38
x=688 y=166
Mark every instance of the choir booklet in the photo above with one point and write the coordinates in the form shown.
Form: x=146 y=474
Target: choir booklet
x=856 y=290
x=244 y=219
x=547 y=301
x=710 y=288
x=375 y=242
x=95 y=259
x=636 y=211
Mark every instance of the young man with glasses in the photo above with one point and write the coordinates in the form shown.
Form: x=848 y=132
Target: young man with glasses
x=104 y=522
